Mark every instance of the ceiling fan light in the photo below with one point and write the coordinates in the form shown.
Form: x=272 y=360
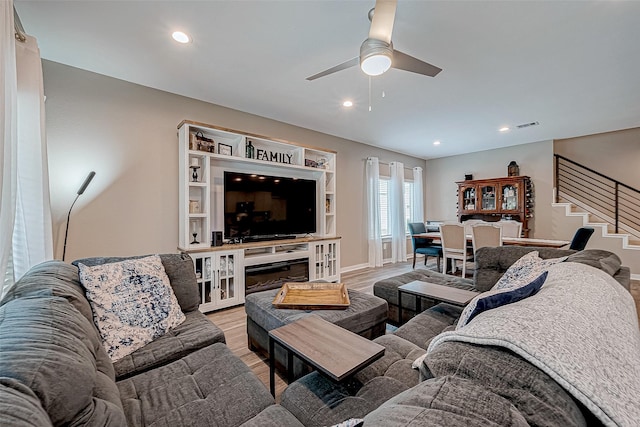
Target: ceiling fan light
x=376 y=57
x=375 y=65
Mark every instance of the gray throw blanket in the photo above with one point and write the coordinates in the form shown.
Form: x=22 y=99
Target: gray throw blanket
x=581 y=329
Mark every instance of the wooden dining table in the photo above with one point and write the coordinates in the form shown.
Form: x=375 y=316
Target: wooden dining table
x=515 y=241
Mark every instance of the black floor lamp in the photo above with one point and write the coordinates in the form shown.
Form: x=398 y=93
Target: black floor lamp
x=83 y=187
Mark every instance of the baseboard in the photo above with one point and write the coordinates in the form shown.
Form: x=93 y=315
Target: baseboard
x=366 y=264
x=354 y=268
x=635 y=277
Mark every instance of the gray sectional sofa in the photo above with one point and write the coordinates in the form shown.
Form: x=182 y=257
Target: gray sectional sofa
x=55 y=371
x=458 y=383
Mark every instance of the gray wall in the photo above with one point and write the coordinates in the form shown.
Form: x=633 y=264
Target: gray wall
x=615 y=154
x=128 y=134
x=535 y=160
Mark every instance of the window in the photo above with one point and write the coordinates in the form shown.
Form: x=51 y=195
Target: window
x=384 y=205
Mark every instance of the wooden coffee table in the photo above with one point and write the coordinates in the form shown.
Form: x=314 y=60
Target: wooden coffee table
x=330 y=349
x=435 y=292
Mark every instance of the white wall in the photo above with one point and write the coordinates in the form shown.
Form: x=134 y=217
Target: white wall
x=128 y=134
x=535 y=160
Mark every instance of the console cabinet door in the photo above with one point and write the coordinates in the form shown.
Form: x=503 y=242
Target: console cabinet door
x=324 y=263
x=220 y=278
x=229 y=279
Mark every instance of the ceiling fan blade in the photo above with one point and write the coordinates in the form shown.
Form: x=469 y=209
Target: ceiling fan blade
x=339 y=67
x=382 y=22
x=402 y=61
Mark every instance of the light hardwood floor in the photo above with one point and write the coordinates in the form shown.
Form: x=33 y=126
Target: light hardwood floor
x=233 y=321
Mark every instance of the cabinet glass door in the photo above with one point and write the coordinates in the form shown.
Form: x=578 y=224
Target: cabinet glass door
x=488 y=197
x=226 y=277
x=510 y=197
x=205 y=279
x=332 y=259
x=319 y=258
x=469 y=198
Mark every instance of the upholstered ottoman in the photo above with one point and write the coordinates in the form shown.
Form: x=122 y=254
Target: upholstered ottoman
x=366 y=316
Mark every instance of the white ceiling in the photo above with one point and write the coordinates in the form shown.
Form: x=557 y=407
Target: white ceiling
x=574 y=66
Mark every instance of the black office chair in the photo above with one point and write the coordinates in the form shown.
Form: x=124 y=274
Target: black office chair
x=581 y=238
x=423 y=246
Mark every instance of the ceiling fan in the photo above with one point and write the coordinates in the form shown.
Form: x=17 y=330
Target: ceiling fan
x=377 y=54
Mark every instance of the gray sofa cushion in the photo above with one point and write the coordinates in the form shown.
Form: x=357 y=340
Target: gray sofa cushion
x=210 y=387
x=446 y=402
x=539 y=399
x=273 y=416
x=55 y=278
x=49 y=347
x=179 y=268
x=426 y=325
x=492 y=262
x=600 y=259
x=194 y=333
x=19 y=406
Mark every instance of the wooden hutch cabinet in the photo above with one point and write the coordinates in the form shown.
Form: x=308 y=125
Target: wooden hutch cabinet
x=497 y=198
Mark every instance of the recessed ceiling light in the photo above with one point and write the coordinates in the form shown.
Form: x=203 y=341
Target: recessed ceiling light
x=504 y=129
x=180 y=37
x=436 y=142
x=347 y=104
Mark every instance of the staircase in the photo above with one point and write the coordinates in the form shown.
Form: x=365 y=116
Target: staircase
x=584 y=197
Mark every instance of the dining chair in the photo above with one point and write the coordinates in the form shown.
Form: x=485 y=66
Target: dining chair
x=423 y=246
x=454 y=246
x=580 y=239
x=510 y=228
x=486 y=235
x=470 y=223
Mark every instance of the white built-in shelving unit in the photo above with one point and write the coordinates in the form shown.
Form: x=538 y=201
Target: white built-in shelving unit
x=205 y=153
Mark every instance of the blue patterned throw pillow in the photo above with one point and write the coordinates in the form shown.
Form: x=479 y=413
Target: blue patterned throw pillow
x=132 y=303
x=499 y=297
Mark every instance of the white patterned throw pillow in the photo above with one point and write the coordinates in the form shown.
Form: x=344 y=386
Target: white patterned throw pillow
x=132 y=303
x=524 y=270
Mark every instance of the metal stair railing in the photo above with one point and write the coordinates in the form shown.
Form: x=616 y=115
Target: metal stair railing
x=608 y=198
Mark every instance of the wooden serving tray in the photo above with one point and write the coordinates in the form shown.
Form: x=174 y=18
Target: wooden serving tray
x=312 y=296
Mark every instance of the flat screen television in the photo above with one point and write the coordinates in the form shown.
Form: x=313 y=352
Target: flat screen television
x=261 y=206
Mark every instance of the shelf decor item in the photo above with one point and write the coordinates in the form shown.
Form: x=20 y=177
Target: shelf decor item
x=513 y=169
x=250 y=150
x=194 y=169
x=225 y=149
x=204 y=143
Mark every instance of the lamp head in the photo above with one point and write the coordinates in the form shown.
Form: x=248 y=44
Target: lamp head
x=86 y=182
x=376 y=56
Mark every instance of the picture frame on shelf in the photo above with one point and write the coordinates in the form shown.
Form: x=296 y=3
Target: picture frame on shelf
x=225 y=149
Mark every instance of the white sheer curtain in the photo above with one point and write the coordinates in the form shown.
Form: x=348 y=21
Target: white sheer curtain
x=418 y=196
x=374 y=236
x=25 y=219
x=397 y=217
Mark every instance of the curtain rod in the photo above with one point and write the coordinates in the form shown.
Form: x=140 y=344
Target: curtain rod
x=20 y=34
x=385 y=163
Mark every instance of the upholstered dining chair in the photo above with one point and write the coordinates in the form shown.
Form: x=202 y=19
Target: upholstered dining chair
x=485 y=235
x=470 y=223
x=454 y=246
x=510 y=228
x=580 y=239
x=423 y=246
